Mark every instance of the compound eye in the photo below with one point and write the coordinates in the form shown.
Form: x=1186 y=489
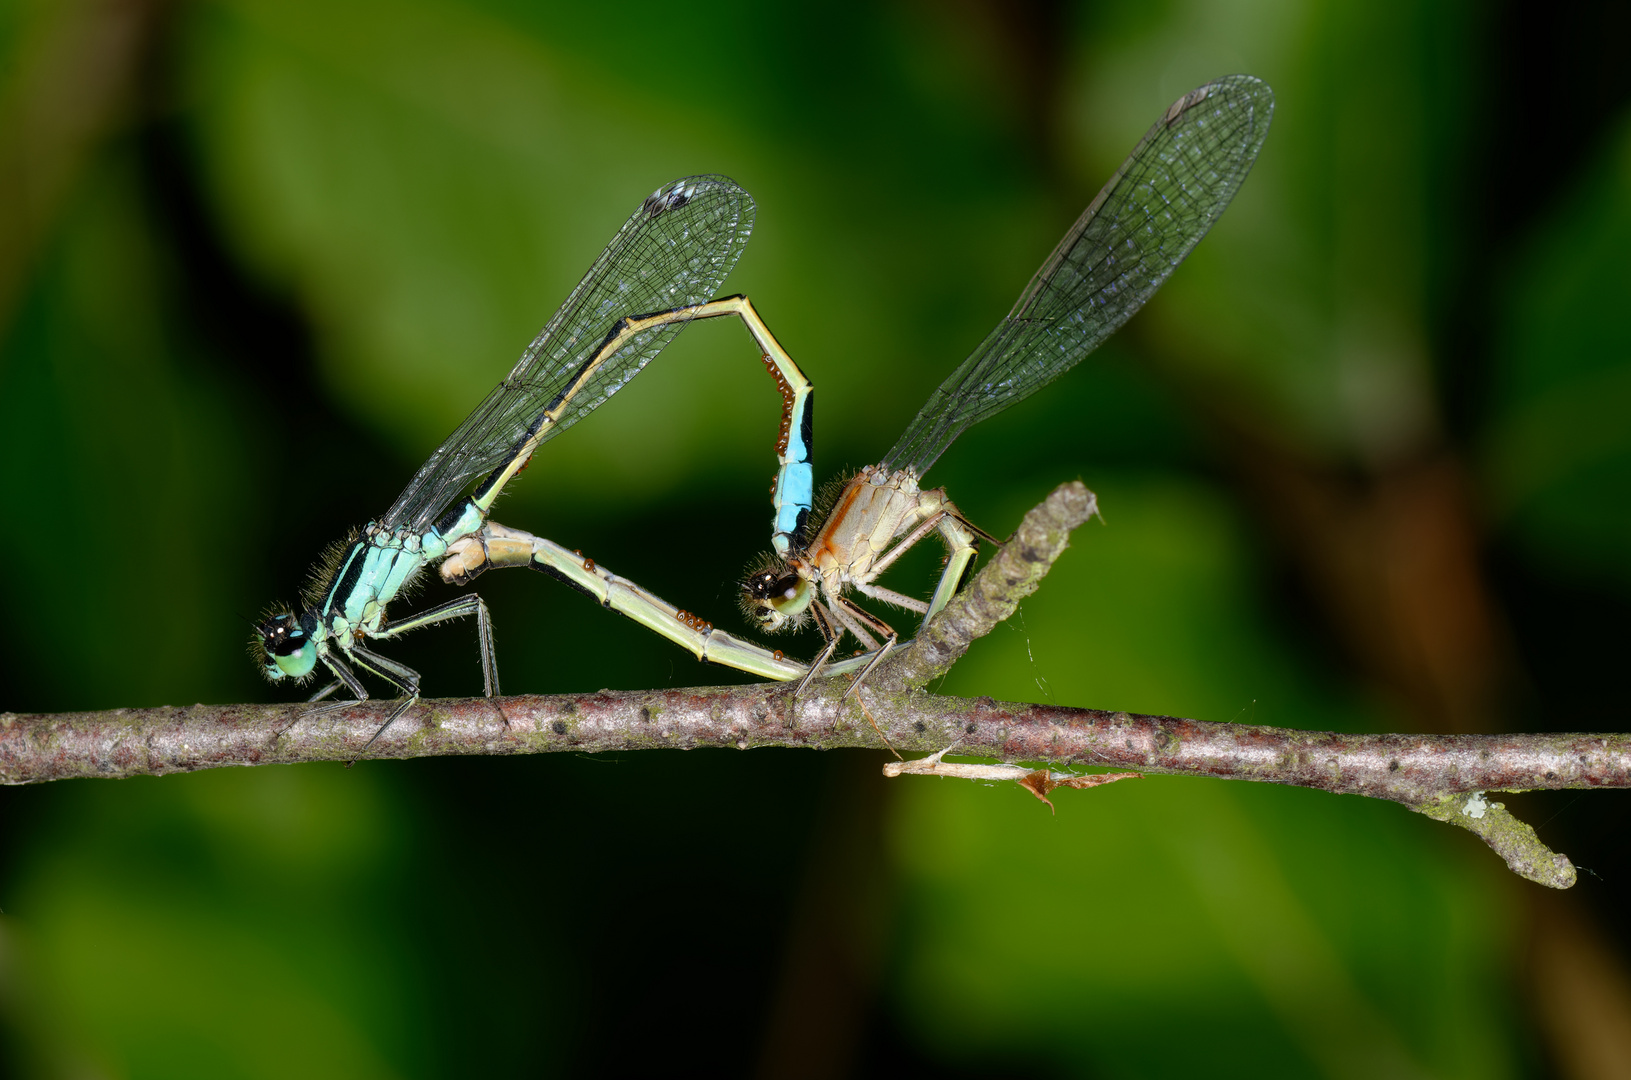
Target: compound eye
x=789 y=595
x=281 y=635
x=769 y=587
x=288 y=646
x=762 y=586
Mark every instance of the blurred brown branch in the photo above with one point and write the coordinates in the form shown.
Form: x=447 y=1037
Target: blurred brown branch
x=1442 y=776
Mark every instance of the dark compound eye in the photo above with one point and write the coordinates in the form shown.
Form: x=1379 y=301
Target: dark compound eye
x=282 y=635
x=767 y=584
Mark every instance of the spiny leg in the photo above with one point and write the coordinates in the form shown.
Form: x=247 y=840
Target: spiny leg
x=845 y=614
x=457 y=608
x=890 y=596
x=959 y=537
x=343 y=675
x=833 y=634
x=454 y=609
x=404 y=678
x=859 y=614
x=907 y=542
x=324 y=692
x=399 y=675
x=978 y=532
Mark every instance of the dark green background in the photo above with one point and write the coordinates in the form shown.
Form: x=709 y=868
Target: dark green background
x=306 y=237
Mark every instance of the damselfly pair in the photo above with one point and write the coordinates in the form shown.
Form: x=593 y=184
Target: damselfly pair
x=656 y=276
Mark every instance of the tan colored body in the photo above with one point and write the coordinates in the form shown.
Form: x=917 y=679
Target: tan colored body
x=875 y=510
x=878 y=516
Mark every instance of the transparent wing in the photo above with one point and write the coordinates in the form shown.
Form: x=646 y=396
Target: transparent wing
x=675 y=251
x=1157 y=206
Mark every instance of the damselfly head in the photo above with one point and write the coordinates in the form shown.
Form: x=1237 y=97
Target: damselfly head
x=284 y=645
x=777 y=596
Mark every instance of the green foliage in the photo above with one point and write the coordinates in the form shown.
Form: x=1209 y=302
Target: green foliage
x=1559 y=444
x=219 y=927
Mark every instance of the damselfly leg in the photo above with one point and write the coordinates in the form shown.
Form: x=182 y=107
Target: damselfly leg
x=842 y=615
x=404 y=679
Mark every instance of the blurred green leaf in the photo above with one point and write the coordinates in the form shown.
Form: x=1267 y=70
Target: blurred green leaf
x=1311 y=299
x=1558 y=449
x=222 y=924
x=116 y=441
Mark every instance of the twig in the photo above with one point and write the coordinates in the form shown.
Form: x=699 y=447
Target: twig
x=1013 y=574
x=1037 y=781
x=1442 y=776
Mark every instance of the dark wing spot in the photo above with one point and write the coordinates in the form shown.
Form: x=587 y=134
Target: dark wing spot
x=662 y=201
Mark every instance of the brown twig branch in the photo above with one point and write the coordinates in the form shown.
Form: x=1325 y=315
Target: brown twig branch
x=1013 y=574
x=1442 y=776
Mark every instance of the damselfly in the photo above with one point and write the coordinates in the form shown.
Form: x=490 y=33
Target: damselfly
x=654 y=277
x=1152 y=212
x=1146 y=219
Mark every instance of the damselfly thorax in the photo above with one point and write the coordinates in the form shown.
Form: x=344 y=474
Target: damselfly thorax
x=877 y=516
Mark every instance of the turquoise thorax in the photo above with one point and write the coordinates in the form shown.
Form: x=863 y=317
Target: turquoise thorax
x=381 y=564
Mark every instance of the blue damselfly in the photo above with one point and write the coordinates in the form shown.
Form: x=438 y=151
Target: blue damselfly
x=654 y=277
